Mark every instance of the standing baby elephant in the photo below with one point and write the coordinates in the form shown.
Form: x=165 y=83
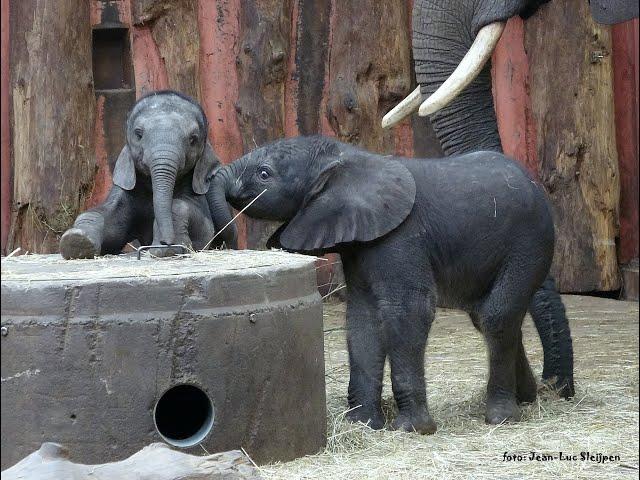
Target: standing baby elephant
x=472 y=232
x=160 y=184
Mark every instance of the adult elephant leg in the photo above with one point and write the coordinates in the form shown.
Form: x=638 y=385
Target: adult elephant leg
x=102 y=230
x=551 y=321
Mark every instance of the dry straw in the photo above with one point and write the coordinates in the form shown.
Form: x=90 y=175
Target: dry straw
x=603 y=418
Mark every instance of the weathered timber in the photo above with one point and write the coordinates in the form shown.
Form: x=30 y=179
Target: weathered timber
x=369 y=70
x=262 y=68
x=174 y=28
x=626 y=50
x=572 y=103
x=52 y=119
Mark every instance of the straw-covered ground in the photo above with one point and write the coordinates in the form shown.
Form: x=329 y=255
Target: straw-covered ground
x=602 y=419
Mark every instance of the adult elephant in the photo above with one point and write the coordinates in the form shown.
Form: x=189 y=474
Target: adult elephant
x=452 y=42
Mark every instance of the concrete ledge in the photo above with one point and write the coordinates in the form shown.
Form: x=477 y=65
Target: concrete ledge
x=91 y=346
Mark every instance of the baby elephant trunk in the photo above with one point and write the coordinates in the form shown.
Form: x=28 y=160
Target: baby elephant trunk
x=221 y=187
x=163 y=179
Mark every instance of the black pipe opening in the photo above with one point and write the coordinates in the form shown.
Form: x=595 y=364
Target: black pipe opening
x=183 y=415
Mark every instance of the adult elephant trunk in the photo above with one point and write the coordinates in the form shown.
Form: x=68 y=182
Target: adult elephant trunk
x=221 y=186
x=163 y=179
x=443 y=35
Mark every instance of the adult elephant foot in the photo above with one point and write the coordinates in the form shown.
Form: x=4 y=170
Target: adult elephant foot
x=369 y=416
x=421 y=423
x=76 y=243
x=502 y=408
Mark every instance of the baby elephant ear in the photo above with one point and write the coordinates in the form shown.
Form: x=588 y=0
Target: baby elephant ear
x=124 y=172
x=204 y=169
x=356 y=199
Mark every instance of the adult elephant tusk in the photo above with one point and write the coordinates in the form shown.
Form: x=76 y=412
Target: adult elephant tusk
x=466 y=71
x=405 y=108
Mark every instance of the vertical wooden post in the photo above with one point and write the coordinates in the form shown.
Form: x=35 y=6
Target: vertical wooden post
x=510 y=72
x=5 y=128
x=625 y=81
x=52 y=119
x=572 y=105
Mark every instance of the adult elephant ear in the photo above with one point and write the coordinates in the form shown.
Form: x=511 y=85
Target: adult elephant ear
x=353 y=199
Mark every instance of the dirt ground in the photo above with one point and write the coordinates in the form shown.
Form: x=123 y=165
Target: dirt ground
x=601 y=419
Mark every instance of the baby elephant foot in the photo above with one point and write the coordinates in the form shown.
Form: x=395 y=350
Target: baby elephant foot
x=421 y=423
x=75 y=243
x=370 y=416
x=502 y=408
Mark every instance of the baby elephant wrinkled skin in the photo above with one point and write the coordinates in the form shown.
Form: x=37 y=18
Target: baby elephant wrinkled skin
x=160 y=187
x=472 y=232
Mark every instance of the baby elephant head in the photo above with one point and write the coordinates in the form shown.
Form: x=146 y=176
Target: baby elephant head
x=166 y=140
x=328 y=193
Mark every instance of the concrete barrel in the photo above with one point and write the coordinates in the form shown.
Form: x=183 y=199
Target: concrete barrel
x=212 y=351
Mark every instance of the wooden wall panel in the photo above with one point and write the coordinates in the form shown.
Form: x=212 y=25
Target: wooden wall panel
x=511 y=94
x=261 y=65
x=627 y=90
x=6 y=173
x=572 y=102
x=369 y=70
x=173 y=26
x=52 y=118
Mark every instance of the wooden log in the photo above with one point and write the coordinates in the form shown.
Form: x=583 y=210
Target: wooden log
x=52 y=119
x=174 y=29
x=5 y=129
x=572 y=105
x=157 y=461
x=369 y=70
x=510 y=75
x=626 y=90
x=261 y=64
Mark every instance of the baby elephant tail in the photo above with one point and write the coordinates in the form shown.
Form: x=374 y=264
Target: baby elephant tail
x=551 y=322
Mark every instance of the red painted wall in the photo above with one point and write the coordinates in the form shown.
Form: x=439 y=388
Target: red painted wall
x=510 y=72
x=625 y=79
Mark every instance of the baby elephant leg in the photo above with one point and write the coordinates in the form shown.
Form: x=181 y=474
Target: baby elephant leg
x=407 y=327
x=366 y=361
x=192 y=228
x=101 y=230
x=510 y=378
x=84 y=239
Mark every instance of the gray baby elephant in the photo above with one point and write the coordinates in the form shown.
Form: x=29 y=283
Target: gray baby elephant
x=472 y=232
x=160 y=185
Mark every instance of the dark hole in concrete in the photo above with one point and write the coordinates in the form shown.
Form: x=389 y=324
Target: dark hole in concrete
x=111 y=59
x=183 y=415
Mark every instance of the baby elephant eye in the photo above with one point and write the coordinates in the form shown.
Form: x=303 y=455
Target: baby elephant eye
x=138 y=133
x=193 y=139
x=263 y=173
